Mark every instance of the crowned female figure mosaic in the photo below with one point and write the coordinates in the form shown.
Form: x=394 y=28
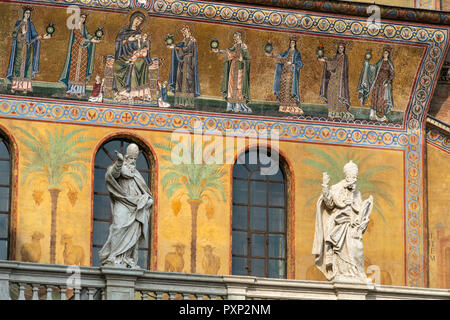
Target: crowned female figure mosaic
x=377 y=79
x=236 y=75
x=79 y=59
x=334 y=85
x=183 y=79
x=286 y=79
x=25 y=52
x=132 y=61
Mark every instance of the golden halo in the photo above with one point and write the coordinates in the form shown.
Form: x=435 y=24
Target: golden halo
x=146 y=17
x=234 y=30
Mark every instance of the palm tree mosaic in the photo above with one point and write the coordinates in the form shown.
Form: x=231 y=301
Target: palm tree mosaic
x=199 y=184
x=56 y=157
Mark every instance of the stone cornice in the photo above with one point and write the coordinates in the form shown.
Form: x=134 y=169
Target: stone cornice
x=433 y=122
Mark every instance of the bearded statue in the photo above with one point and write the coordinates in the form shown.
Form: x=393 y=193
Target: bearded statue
x=131 y=202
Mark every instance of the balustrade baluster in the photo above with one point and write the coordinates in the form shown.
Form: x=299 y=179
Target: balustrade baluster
x=91 y=293
x=49 y=289
x=63 y=292
x=22 y=291
x=77 y=293
x=35 y=292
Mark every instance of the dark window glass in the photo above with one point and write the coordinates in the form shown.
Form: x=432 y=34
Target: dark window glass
x=258 y=194
x=277 y=268
x=101 y=231
x=3 y=249
x=3 y=226
x=239 y=243
x=240 y=171
x=4 y=172
x=240 y=217
x=102 y=207
x=5 y=198
x=259 y=220
x=240 y=191
x=239 y=266
x=99 y=180
x=276 y=220
x=258 y=268
x=143 y=257
x=258 y=245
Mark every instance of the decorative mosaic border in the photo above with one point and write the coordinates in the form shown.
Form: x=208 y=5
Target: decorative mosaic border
x=415 y=219
x=360 y=9
x=341 y=7
x=438 y=139
x=215 y=124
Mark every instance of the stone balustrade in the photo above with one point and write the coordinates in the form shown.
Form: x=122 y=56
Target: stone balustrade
x=32 y=281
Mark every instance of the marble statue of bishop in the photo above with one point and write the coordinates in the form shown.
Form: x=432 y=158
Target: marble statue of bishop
x=341 y=219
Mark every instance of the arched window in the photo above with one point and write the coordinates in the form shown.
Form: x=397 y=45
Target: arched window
x=5 y=197
x=102 y=209
x=259 y=219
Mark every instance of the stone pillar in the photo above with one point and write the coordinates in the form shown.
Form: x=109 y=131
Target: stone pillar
x=5 y=271
x=4 y=285
x=352 y=290
x=120 y=282
x=237 y=287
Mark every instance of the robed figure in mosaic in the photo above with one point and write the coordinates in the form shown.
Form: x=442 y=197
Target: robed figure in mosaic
x=341 y=219
x=79 y=59
x=183 y=79
x=286 y=79
x=236 y=75
x=334 y=85
x=132 y=61
x=131 y=201
x=377 y=79
x=25 y=52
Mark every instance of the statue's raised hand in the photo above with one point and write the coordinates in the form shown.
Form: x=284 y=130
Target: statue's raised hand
x=325 y=179
x=119 y=156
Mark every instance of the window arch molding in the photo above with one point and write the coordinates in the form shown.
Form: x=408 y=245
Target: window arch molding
x=153 y=185
x=7 y=139
x=288 y=171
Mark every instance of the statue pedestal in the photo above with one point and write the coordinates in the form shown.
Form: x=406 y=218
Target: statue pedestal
x=352 y=289
x=120 y=282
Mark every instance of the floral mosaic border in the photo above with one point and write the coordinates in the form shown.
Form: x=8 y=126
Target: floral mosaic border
x=438 y=139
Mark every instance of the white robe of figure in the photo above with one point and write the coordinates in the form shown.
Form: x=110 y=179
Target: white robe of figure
x=131 y=201
x=338 y=233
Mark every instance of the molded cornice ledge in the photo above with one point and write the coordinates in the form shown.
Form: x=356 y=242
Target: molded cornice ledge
x=352 y=290
x=355 y=9
x=438 y=124
x=120 y=282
